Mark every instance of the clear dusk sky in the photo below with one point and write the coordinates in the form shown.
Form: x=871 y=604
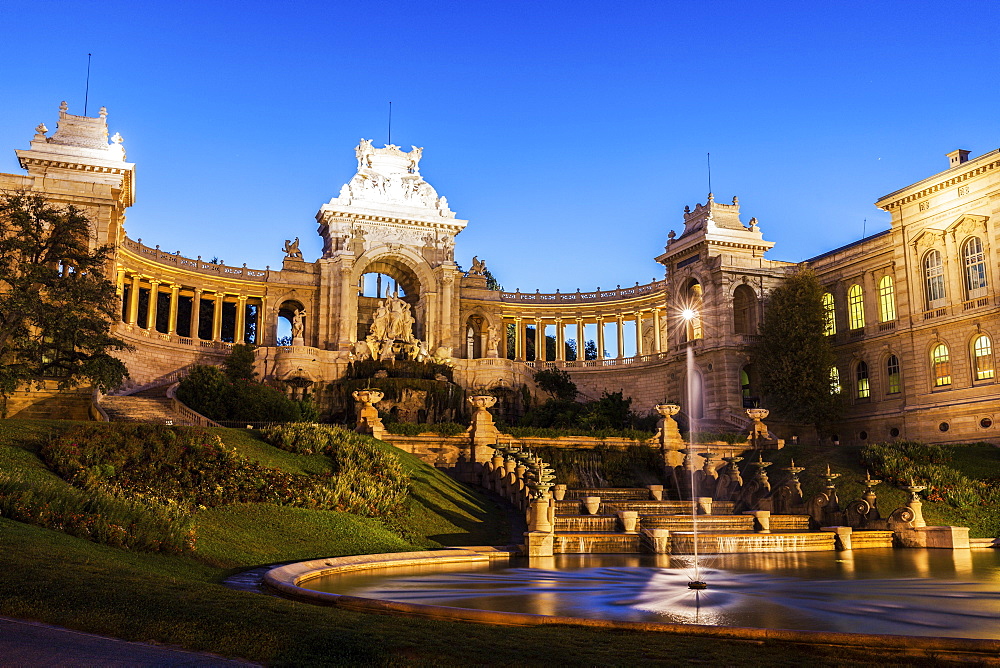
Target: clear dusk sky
x=570 y=134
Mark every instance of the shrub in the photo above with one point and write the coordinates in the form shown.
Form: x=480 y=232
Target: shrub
x=218 y=396
x=129 y=522
x=902 y=461
x=366 y=478
x=185 y=465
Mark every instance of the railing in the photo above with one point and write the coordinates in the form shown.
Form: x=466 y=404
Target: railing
x=887 y=326
x=750 y=339
x=578 y=297
x=571 y=364
x=188 y=414
x=135 y=330
x=935 y=313
x=857 y=333
x=181 y=262
x=738 y=421
x=975 y=303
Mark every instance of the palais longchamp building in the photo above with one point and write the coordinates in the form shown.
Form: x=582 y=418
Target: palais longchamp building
x=912 y=311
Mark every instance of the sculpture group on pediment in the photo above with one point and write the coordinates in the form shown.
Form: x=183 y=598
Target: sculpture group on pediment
x=391 y=333
x=478 y=267
x=291 y=249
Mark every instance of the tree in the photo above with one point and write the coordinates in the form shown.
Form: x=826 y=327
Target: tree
x=491 y=282
x=57 y=306
x=794 y=356
x=557 y=383
x=239 y=363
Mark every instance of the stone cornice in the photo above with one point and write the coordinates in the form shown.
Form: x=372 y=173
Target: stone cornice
x=328 y=216
x=940 y=181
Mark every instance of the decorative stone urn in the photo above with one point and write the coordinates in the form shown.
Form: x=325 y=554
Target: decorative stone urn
x=483 y=434
x=758 y=432
x=368 y=420
x=591 y=504
x=668 y=433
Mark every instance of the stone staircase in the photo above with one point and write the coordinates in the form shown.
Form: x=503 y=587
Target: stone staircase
x=151 y=405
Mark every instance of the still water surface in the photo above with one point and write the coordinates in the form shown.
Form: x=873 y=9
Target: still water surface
x=905 y=592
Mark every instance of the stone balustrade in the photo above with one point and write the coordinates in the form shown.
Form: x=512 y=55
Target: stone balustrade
x=181 y=262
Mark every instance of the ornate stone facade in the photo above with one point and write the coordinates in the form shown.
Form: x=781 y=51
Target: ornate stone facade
x=914 y=311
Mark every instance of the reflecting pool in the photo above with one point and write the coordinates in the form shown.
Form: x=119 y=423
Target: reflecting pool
x=905 y=592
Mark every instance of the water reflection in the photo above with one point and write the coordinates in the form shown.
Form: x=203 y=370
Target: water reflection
x=909 y=592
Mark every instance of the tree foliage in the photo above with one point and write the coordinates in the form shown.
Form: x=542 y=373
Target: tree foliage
x=57 y=306
x=557 y=383
x=794 y=356
x=232 y=393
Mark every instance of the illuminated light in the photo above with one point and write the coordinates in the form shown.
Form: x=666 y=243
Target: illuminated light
x=689 y=314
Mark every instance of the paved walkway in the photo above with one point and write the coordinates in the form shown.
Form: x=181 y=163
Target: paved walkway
x=33 y=644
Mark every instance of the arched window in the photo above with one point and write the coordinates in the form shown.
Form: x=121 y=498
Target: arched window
x=886 y=299
x=893 y=384
x=941 y=365
x=982 y=355
x=834 y=380
x=744 y=310
x=934 y=279
x=975 y=268
x=829 y=315
x=861 y=375
x=856 y=307
x=694 y=301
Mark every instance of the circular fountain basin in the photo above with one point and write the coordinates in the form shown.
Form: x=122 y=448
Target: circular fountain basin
x=939 y=593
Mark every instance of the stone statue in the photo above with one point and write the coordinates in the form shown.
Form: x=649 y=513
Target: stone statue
x=415 y=155
x=478 y=267
x=363 y=152
x=291 y=249
x=493 y=342
x=380 y=322
x=298 y=327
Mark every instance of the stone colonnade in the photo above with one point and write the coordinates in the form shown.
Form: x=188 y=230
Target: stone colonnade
x=176 y=304
x=567 y=316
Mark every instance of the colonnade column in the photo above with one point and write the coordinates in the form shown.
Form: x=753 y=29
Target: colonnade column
x=657 y=346
x=638 y=334
x=154 y=294
x=600 y=337
x=120 y=281
x=539 y=340
x=217 y=317
x=518 y=339
x=133 y=301
x=172 y=319
x=195 y=314
x=581 y=346
x=621 y=335
x=258 y=338
x=560 y=341
x=241 y=319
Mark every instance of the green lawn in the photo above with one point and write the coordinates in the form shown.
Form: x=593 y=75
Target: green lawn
x=179 y=600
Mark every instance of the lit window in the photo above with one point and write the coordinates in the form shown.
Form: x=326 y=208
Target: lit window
x=856 y=307
x=941 y=364
x=975 y=268
x=864 y=389
x=982 y=350
x=829 y=315
x=892 y=374
x=834 y=380
x=934 y=279
x=886 y=299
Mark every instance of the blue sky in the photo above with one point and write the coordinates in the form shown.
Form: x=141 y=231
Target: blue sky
x=570 y=134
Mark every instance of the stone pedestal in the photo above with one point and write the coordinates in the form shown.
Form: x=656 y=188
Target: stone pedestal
x=762 y=520
x=629 y=520
x=669 y=435
x=483 y=434
x=368 y=420
x=841 y=536
x=705 y=505
x=655 y=492
x=943 y=537
x=541 y=516
x=539 y=543
x=591 y=504
x=656 y=541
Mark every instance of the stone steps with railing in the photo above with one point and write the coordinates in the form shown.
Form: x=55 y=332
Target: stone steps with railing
x=154 y=410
